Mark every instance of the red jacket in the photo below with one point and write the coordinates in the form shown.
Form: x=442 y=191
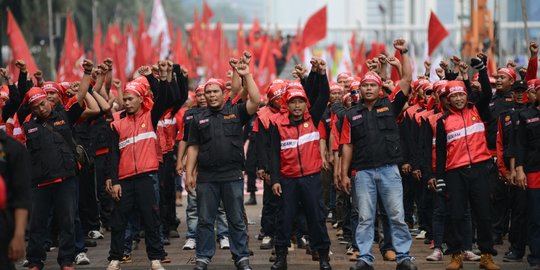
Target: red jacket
x=138 y=144
x=166 y=131
x=300 y=154
x=14 y=129
x=433 y=123
x=266 y=115
x=465 y=138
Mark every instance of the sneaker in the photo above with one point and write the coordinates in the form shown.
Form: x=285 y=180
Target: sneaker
x=486 y=262
x=421 y=235
x=435 y=256
x=95 y=235
x=389 y=255
x=190 y=244
x=114 y=265
x=67 y=267
x=156 y=265
x=470 y=256
x=267 y=243
x=126 y=259
x=350 y=251
x=511 y=256
x=25 y=263
x=82 y=259
x=224 y=243
x=432 y=244
x=406 y=264
x=475 y=249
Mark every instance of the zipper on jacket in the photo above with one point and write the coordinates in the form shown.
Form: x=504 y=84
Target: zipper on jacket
x=466 y=141
x=298 y=150
x=133 y=138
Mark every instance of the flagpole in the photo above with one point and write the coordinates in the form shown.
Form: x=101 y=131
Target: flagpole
x=524 y=13
x=52 y=55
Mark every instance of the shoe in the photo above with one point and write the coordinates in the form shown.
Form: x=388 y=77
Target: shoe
x=354 y=256
x=260 y=236
x=82 y=259
x=497 y=239
x=114 y=265
x=302 y=243
x=511 y=256
x=435 y=256
x=281 y=259
x=200 y=265
x=432 y=244
x=470 y=256
x=126 y=259
x=534 y=267
x=252 y=199
x=486 y=262
x=421 y=235
x=224 y=243
x=324 y=260
x=190 y=244
x=156 y=265
x=95 y=235
x=166 y=241
x=90 y=243
x=243 y=264
x=267 y=243
x=406 y=264
x=25 y=263
x=350 y=251
x=475 y=249
x=165 y=260
x=361 y=265
x=389 y=255
x=456 y=262
x=67 y=267
x=174 y=234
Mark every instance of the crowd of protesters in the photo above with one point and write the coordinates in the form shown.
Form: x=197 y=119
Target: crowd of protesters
x=364 y=154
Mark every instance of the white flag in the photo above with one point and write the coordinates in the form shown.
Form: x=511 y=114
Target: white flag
x=159 y=26
x=345 y=63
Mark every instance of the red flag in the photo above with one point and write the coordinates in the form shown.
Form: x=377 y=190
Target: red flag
x=142 y=55
x=266 y=71
x=69 y=68
x=18 y=45
x=240 y=39
x=180 y=55
x=436 y=33
x=352 y=42
x=394 y=75
x=315 y=28
x=359 y=60
x=97 y=44
x=207 y=13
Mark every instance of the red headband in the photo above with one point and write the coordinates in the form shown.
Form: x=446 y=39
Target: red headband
x=510 y=73
x=454 y=87
x=372 y=77
x=217 y=82
x=34 y=96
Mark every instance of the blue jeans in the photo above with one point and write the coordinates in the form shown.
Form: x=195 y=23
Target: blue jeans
x=191 y=219
x=209 y=197
x=386 y=182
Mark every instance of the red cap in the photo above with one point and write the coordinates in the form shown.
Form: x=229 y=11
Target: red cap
x=34 y=96
x=439 y=86
x=530 y=84
x=454 y=87
x=372 y=77
x=214 y=81
x=343 y=75
x=349 y=80
x=294 y=93
x=334 y=87
x=51 y=87
x=355 y=85
x=200 y=88
x=510 y=73
x=275 y=90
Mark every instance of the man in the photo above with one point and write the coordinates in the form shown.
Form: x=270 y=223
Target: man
x=134 y=161
x=371 y=147
x=463 y=163
x=49 y=140
x=14 y=199
x=295 y=168
x=215 y=159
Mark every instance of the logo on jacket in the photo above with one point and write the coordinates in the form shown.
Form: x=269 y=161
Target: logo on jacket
x=306 y=125
x=202 y=121
x=356 y=117
x=383 y=109
x=230 y=116
x=32 y=130
x=59 y=123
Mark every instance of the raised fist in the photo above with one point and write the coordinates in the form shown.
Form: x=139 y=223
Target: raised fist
x=463 y=67
x=533 y=47
x=444 y=65
x=440 y=73
x=144 y=70
x=382 y=59
x=322 y=65
x=116 y=83
x=483 y=57
x=87 y=66
x=20 y=64
x=511 y=64
x=103 y=68
x=233 y=62
x=455 y=60
x=393 y=61
x=246 y=57
x=108 y=62
x=230 y=73
x=184 y=71
x=242 y=69
x=427 y=64
x=400 y=44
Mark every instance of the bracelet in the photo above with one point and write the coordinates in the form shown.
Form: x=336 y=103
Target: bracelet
x=404 y=51
x=88 y=72
x=90 y=90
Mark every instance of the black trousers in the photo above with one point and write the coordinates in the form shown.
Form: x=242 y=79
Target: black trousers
x=105 y=200
x=137 y=195
x=499 y=201
x=6 y=233
x=167 y=193
x=88 y=200
x=269 y=211
x=409 y=187
x=469 y=186
x=307 y=191
x=251 y=167
x=518 y=219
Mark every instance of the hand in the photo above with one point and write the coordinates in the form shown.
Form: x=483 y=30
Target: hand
x=463 y=67
x=521 y=178
x=184 y=71
x=190 y=184
x=440 y=185
x=87 y=66
x=440 y=73
x=326 y=165
x=383 y=60
x=444 y=65
x=261 y=174
x=476 y=85
x=417 y=174
x=108 y=186
x=427 y=65
x=276 y=189
x=179 y=167
x=522 y=72
x=109 y=63
x=511 y=64
x=242 y=69
x=103 y=69
x=406 y=168
x=162 y=70
x=393 y=61
x=16 y=248
x=455 y=60
x=511 y=177
x=337 y=180
x=73 y=89
x=477 y=63
x=144 y=70
x=345 y=184
x=246 y=57
x=117 y=192
x=116 y=83
x=233 y=62
x=322 y=66
x=431 y=184
x=300 y=71
x=38 y=75
x=389 y=84
x=533 y=48
x=483 y=57
x=314 y=64
x=155 y=69
x=400 y=44
x=20 y=64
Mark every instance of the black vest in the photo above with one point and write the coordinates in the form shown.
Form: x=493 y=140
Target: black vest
x=102 y=132
x=51 y=153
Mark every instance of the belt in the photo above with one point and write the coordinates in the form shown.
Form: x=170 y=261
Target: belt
x=55 y=181
x=102 y=151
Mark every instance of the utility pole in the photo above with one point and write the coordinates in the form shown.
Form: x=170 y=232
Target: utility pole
x=524 y=13
x=52 y=55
